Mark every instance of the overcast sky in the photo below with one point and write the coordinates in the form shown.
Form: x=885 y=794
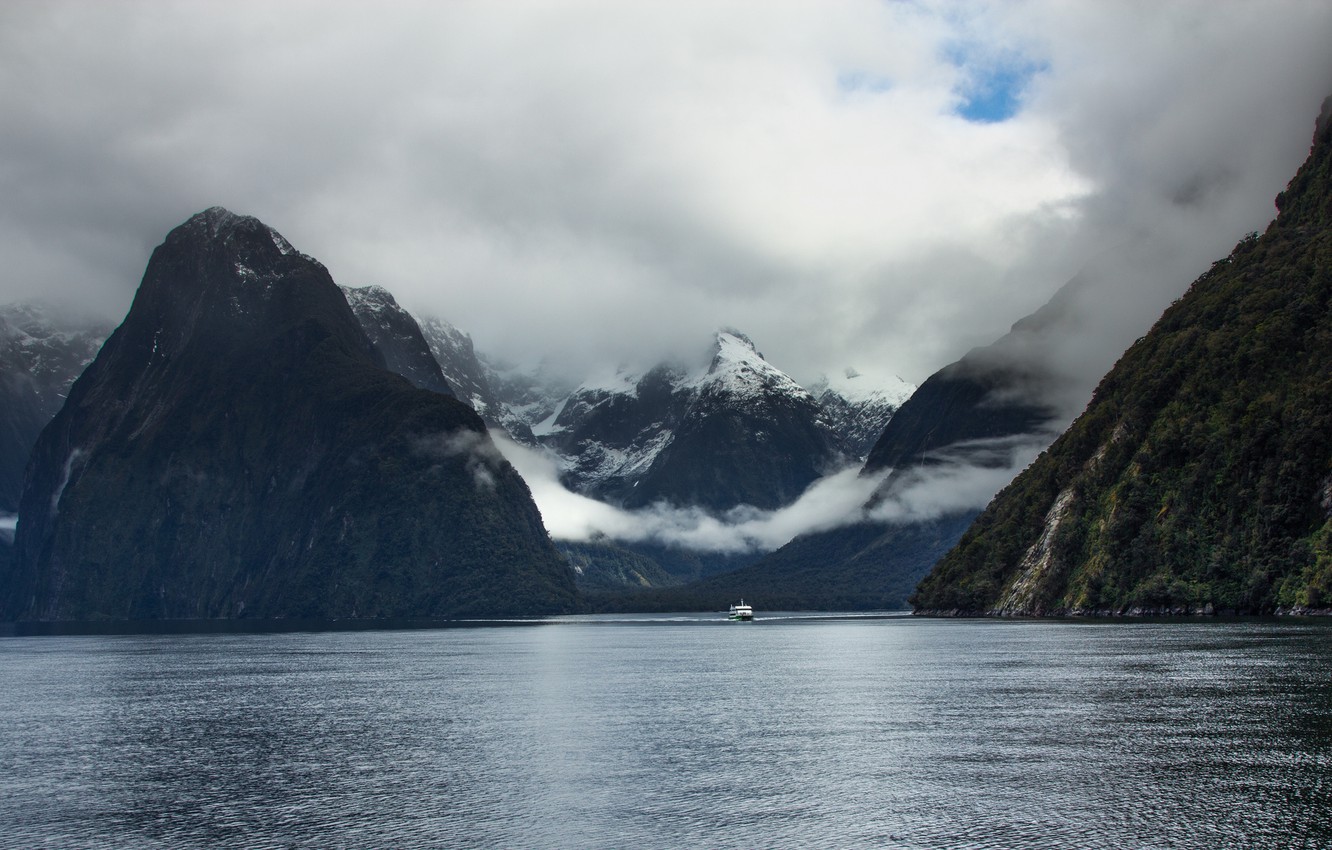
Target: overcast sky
x=852 y=183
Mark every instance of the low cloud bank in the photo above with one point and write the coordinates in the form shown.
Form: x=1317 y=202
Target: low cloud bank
x=953 y=483
x=963 y=477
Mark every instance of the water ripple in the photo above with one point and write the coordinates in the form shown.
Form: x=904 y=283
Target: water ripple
x=591 y=733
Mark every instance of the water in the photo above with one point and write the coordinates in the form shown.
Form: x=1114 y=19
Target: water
x=675 y=732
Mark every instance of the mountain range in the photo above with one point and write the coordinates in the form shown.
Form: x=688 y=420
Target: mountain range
x=736 y=431
x=732 y=431
x=976 y=417
x=254 y=441
x=760 y=437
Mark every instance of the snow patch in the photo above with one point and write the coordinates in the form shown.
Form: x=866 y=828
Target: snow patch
x=860 y=388
x=547 y=426
x=600 y=462
x=283 y=246
x=622 y=382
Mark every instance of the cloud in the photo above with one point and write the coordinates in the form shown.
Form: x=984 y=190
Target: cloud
x=480 y=456
x=588 y=179
x=962 y=477
x=830 y=502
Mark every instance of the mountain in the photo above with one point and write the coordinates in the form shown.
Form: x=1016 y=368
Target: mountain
x=970 y=409
x=397 y=337
x=238 y=449
x=858 y=407
x=42 y=350
x=475 y=380
x=737 y=431
x=970 y=421
x=1197 y=480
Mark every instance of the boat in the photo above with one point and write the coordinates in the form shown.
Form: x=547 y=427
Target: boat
x=742 y=611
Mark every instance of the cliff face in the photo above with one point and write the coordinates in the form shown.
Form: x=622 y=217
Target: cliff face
x=238 y=449
x=1199 y=478
x=41 y=353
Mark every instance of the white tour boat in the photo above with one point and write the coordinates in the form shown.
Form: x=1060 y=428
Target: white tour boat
x=742 y=611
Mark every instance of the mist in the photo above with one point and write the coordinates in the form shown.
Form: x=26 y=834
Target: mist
x=961 y=478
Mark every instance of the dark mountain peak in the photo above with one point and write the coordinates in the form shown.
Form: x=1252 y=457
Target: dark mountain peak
x=220 y=281
x=242 y=234
x=397 y=336
x=238 y=449
x=217 y=219
x=984 y=397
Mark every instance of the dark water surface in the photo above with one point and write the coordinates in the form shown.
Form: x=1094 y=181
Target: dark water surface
x=675 y=732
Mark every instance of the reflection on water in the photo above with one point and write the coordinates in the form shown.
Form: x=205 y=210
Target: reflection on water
x=675 y=732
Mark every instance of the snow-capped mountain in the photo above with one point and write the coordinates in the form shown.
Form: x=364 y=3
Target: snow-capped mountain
x=478 y=383
x=734 y=430
x=737 y=431
x=42 y=351
x=609 y=430
x=397 y=336
x=859 y=407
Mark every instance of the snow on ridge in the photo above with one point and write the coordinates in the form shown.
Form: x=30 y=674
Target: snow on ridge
x=373 y=297
x=283 y=246
x=858 y=388
x=600 y=462
x=739 y=370
x=623 y=382
x=443 y=329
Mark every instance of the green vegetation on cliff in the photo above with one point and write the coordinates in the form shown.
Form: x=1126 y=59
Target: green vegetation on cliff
x=1200 y=476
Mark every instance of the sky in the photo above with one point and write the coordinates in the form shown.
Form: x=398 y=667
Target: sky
x=880 y=185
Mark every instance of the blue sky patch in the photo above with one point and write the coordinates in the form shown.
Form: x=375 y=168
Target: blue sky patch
x=992 y=87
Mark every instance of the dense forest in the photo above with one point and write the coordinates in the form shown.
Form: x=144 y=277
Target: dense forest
x=1199 y=479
